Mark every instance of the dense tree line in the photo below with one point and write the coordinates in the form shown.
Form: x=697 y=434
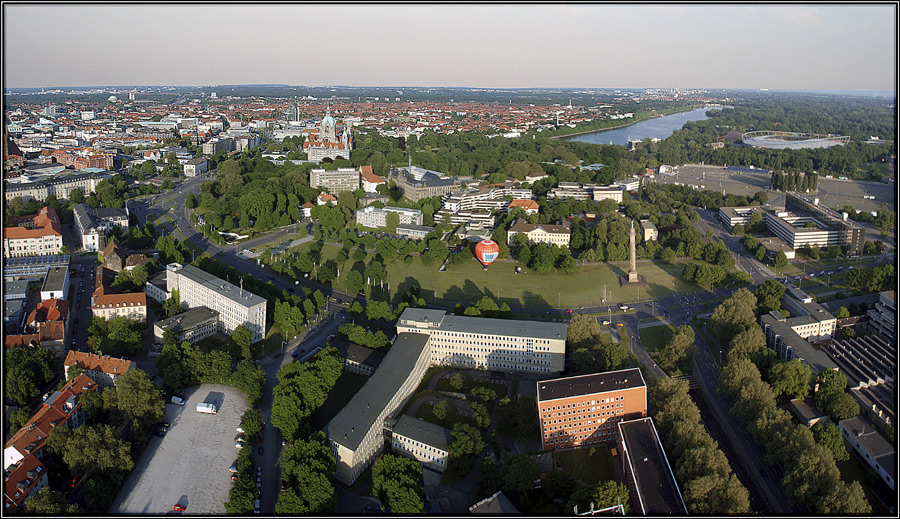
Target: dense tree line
x=708 y=484
x=302 y=388
x=27 y=370
x=119 y=336
x=585 y=350
x=397 y=482
x=307 y=466
x=875 y=279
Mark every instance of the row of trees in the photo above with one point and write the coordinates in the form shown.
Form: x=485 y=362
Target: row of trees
x=302 y=388
x=397 y=482
x=120 y=336
x=307 y=467
x=28 y=371
x=711 y=275
x=876 y=279
x=804 y=182
x=359 y=335
x=708 y=484
x=679 y=350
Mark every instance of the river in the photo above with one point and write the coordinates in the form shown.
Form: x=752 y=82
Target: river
x=656 y=128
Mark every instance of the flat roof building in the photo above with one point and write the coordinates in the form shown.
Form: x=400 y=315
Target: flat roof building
x=883 y=318
x=356 y=433
x=427 y=442
x=193 y=325
x=731 y=216
x=872 y=447
x=334 y=180
x=826 y=227
x=235 y=305
x=788 y=344
x=584 y=410
x=649 y=232
x=649 y=477
x=489 y=344
x=540 y=233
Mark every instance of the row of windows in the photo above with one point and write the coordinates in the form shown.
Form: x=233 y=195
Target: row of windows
x=585 y=403
x=494 y=352
x=597 y=408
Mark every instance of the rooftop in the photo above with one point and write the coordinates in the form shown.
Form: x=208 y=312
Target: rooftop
x=874 y=442
x=352 y=423
x=424 y=432
x=594 y=383
x=657 y=490
x=485 y=325
x=94 y=362
x=187 y=320
x=220 y=286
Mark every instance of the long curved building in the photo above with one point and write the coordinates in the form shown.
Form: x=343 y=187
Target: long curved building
x=792 y=140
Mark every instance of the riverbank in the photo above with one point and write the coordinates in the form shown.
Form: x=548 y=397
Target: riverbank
x=632 y=122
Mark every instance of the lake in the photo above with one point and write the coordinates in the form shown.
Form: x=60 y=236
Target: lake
x=657 y=128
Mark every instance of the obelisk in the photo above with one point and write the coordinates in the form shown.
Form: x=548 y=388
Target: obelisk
x=632 y=272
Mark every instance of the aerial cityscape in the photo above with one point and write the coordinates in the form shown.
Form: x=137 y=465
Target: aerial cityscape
x=448 y=260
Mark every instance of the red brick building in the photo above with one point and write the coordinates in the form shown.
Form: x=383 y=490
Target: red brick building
x=584 y=410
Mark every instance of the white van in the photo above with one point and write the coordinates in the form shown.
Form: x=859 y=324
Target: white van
x=177 y=400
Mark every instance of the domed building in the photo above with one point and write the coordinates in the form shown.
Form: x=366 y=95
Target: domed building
x=113 y=99
x=330 y=141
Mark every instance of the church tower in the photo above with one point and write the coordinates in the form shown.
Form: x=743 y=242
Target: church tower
x=326 y=129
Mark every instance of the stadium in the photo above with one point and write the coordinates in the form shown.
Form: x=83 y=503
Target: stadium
x=791 y=140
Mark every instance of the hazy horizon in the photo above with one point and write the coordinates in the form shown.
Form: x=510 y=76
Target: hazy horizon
x=795 y=47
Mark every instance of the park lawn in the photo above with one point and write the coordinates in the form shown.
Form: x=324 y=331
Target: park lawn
x=346 y=387
x=654 y=338
x=591 y=465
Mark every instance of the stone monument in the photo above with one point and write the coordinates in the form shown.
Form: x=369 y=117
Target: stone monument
x=632 y=272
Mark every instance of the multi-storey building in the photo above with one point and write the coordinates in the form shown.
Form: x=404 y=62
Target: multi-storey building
x=489 y=344
x=103 y=369
x=809 y=319
x=194 y=325
x=24 y=479
x=427 y=442
x=93 y=224
x=357 y=432
x=649 y=231
x=826 y=227
x=56 y=283
x=414 y=232
x=529 y=206
x=584 y=410
x=871 y=446
x=375 y=217
x=218 y=145
x=613 y=193
x=235 y=306
x=195 y=167
x=368 y=180
x=418 y=183
x=788 y=344
x=32 y=266
x=109 y=306
x=41 y=236
x=334 y=180
x=465 y=206
x=883 y=318
x=651 y=483
x=573 y=190
x=540 y=233
x=59 y=187
x=328 y=141
x=731 y=216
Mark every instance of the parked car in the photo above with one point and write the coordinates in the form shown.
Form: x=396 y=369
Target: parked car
x=178 y=507
x=239 y=445
x=260 y=450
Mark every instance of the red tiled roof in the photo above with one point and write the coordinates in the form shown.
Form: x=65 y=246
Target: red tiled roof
x=366 y=173
x=49 y=310
x=46 y=223
x=524 y=204
x=18 y=484
x=136 y=299
x=94 y=362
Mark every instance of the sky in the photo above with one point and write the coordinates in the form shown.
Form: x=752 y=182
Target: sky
x=734 y=46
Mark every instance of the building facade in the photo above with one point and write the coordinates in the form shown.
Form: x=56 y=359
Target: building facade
x=417 y=183
x=649 y=231
x=826 y=227
x=235 y=305
x=540 y=233
x=489 y=344
x=194 y=325
x=195 y=167
x=334 y=180
x=871 y=446
x=584 y=410
x=424 y=441
x=41 y=236
x=59 y=187
x=102 y=369
x=109 y=306
x=377 y=217
x=883 y=318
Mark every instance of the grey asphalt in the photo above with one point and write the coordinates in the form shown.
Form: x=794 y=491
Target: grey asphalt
x=189 y=465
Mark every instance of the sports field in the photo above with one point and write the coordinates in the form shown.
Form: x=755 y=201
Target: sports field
x=469 y=282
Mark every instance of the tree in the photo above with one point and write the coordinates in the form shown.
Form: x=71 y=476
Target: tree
x=456 y=381
x=667 y=255
x=582 y=329
x=519 y=473
x=28 y=371
x=845 y=499
x=736 y=313
x=602 y=495
x=678 y=348
x=243 y=337
x=397 y=483
x=781 y=259
x=172 y=305
x=97 y=449
x=49 y=502
x=844 y=407
x=842 y=313
x=769 y=295
x=355 y=309
x=791 y=379
x=440 y=410
x=466 y=441
x=830 y=385
x=828 y=435
x=353 y=282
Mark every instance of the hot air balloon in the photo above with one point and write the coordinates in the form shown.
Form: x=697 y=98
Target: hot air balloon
x=487 y=251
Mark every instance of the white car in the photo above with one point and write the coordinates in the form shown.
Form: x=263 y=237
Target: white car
x=238 y=445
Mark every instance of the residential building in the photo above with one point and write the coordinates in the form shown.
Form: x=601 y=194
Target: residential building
x=109 y=306
x=584 y=410
x=235 y=305
x=554 y=234
x=827 y=228
x=41 y=235
x=648 y=474
x=217 y=145
x=649 y=231
x=306 y=210
x=375 y=217
x=63 y=407
x=94 y=224
x=489 y=344
x=24 y=479
x=325 y=198
x=114 y=256
x=193 y=325
x=357 y=432
x=883 y=318
x=334 y=181
x=368 y=180
x=872 y=447
x=102 y=369
x=195 y=167
x=788 y=344
x=424 y=441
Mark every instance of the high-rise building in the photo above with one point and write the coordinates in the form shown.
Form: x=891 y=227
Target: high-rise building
x=334 y=180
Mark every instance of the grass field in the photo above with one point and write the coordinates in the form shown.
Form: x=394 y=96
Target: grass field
x=654 y=338
x=590 y=465
x=468 y=282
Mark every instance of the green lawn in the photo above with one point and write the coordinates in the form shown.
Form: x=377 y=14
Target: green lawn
x=590 y=465
x=468 y=282
x=654 y=338
x=853 y=469
x=347 y=385
x=426 y=413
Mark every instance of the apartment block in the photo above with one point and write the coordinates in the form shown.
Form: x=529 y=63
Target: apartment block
x=334 y=180
x=102 y=369
x=584 y=410
x=788 y=344
x=42 y=235
x=109 y=306
x=375 y=217
x=809 y=319
x=883 y=318
x=489 y=344
x=195 y=167
x=235 y=305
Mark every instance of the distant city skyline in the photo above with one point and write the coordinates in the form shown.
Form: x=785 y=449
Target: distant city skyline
x=733 y=46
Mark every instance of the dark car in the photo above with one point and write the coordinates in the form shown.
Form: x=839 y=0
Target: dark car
x=164 y=424
x=260 y=451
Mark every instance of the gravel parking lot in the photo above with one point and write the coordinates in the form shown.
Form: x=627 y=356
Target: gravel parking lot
x=189 y=465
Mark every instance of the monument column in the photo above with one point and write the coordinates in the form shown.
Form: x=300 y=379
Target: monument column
x=632 y=272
